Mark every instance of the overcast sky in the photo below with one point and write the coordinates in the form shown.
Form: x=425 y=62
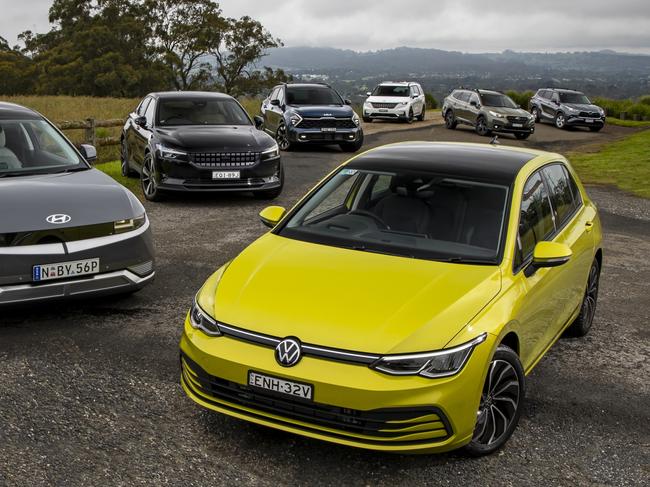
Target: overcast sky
x=463 y=25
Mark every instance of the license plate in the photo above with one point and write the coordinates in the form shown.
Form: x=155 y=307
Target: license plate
x=589 y=120
x=281 y=386
x=328 y=129
x=383 y=109
x=47 y=272
x=225 y=174
x=517 y=125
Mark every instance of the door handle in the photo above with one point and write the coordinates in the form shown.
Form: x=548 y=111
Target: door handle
x=589 y=225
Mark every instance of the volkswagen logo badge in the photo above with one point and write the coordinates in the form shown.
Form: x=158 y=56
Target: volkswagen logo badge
x=288 y=352
x=58 y=219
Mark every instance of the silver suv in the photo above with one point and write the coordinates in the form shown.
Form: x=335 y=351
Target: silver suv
x=391 y=100
x=566 y=108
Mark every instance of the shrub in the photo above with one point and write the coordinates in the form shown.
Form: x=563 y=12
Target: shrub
x=430 y=101
x=522 y=99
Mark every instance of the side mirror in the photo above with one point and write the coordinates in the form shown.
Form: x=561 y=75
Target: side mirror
x=89 y=152
x=368 y=93
x=140 y=121
x=275 y=103
x=347 y=101
x=549 y=254
x=259 y=122
x=474 y=104
x=271 y=215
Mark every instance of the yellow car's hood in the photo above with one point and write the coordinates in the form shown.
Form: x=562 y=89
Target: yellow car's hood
x=351 y=299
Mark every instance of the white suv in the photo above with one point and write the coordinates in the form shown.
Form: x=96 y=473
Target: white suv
x=395 y=100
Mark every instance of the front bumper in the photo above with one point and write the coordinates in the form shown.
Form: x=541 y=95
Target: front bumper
x=185 y=176
x=578 y=121
x=352 y=404
x=126 y=264
x=319 y=136
x=506 y=126
x=400 y=113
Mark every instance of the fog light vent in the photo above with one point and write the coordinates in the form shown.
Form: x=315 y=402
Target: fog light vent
x=142 y=269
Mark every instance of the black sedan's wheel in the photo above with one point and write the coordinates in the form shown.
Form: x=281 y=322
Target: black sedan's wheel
x=560 y=121
x=481 y=127
x=450 y=120
x=148 y=180
x=582 y=324
x=282 y=138
x=124 y=164
x=501 y=403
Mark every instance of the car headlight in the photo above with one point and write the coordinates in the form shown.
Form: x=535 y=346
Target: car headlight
x=496 y=114
x=355 y=119
x=130 y=224
x=295 y=119
x=401 y=104
x=170 y=154
x=201 y=320
x=271 y=153
x=441 y=363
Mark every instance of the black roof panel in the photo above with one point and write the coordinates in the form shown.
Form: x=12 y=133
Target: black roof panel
x=13 y=111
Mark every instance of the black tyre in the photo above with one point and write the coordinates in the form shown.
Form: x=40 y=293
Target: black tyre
x=560 y=120
x=582 y=324
x=522 y=136
x=367 y=119
x=501 y=403
x=422 y=114
x=124 y=165
x=450 y=120
x=282 y=138
x=149 y=181
x=596 y=128
x=351 y=146
x=535 y=113
x=410 y=117
x=269 y=194
x=482 y=127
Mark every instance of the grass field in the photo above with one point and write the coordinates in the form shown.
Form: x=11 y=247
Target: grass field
x=625 y=164
x=627 y=123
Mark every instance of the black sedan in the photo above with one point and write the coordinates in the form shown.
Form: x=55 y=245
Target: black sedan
x=195 y=141
x=66 y=229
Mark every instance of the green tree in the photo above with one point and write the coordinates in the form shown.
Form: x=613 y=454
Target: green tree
x=236 y=50
x=430 y=101
x=16 y=70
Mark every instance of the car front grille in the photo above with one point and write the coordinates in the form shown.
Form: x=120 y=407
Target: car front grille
x=224 y=159
x=327 y=122
x=517 y=119
x=395 y=426
x=383 y=105
x=590 y=114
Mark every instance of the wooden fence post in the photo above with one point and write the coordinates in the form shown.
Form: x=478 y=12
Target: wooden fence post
x=90 y=132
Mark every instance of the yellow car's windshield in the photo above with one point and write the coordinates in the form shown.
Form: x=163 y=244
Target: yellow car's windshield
x=406 y=213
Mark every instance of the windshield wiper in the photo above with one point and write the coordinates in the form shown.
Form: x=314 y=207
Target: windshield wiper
x=465 y=260
x=11 y=174
x=363 y=248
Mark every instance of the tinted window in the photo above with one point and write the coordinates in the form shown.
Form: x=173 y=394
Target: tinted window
x=535 y=220
x=201 y=111
x=463 y=96
x=149 y=113
x=579 y=98
x=391 y=90
x=143 y=106
x=561 y=193
x=406 y=213
x=497 y=100
x=312 y=95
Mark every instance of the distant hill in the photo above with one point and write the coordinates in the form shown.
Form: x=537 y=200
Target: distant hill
x=606 y=73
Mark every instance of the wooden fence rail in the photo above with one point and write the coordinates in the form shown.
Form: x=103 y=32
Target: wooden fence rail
x=90 y=126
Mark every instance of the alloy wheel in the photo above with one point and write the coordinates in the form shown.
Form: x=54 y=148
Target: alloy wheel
x=560 y=121
x=148 y=178
x=281 y=137
x=125 y=158
x=481 y=127
x=591 y=297
x=499 y=403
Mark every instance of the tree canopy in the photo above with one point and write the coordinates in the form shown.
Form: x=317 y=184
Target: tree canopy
x=127 y=48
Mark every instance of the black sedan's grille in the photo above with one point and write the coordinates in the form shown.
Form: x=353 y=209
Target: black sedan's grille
x=383 y=105
x=327 y=122
x=225 y=159
x=394 y=426
x=590 y=114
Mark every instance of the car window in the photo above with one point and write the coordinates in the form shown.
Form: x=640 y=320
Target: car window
x=474 y=98
x=391 y=90
x=280 y=96
x=143 y=106
x=312 y=95
x=555 y=97
x=149 y=113
x=382 y=184
x=274 y=94
x=561 y=193
x=535 y=218
x=198 y=110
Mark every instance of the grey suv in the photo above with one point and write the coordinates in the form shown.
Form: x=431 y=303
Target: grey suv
x=566 y=108
x=487 y=112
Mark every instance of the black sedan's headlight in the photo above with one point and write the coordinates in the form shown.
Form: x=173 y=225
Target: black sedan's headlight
x=171 y=154
x=201 y=320
x=271 y=152
x=441 y=363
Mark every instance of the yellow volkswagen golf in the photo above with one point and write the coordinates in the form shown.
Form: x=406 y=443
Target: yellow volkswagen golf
x=401 y=303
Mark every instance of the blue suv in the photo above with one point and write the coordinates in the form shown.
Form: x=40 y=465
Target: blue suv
x=310 y=113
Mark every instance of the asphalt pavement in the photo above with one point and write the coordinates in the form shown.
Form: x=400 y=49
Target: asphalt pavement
x=90 y=394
